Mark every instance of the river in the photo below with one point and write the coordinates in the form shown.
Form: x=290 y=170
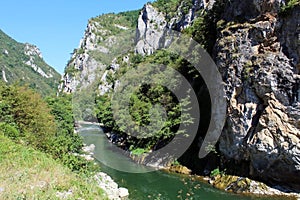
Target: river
x=151 y=185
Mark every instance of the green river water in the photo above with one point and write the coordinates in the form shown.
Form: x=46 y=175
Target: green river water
x=151 y=185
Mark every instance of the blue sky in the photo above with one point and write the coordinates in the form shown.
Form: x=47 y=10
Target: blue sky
x=55 y=26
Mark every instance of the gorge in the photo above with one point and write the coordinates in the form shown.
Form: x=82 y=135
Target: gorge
x=255 y=46
x=187 y=99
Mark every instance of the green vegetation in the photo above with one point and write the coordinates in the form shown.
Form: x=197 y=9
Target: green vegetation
x=38 y=139
x=138 y=151
x=47 y=126
x=26 y=116
x=175 y=163
x=204 y=27
x=26 y=173
x=142 y=101
x=215 y=172
x=168 y=7
x=287 y=8
x=130 y=17
x=12 y=62
x=126 y=19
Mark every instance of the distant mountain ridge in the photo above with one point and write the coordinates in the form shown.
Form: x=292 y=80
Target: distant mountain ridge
x=23 y=63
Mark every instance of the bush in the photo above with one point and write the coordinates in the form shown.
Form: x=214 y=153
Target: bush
x=26 y=117
x=27 y=112
x=215 y=172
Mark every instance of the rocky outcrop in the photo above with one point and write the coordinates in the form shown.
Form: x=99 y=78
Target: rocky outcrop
x=97 y=49
x=111 y=188
x=246 y=186
x=151 y=29
x=33 y=52
x=258 y=63
x=83 y=69
x=153 y=26
x=257 y=53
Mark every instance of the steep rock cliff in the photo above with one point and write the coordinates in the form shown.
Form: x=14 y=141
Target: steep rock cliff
x=98 y=47
x=257 y=52
x=258 y=59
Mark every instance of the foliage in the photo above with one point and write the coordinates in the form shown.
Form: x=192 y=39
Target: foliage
x=166 y=6
x=211 y=148
x=26 y=118
x=138 y=151
x=25 y=110
x=104 y=111
x=9 y=130
x=83 y=103
x=66 y=140
x=107 y=21
x=67 y=144
x=290 y=4
x=143 y=100
x=131 y=17
x=204 y=27
x=175 y=163
x=215 y=172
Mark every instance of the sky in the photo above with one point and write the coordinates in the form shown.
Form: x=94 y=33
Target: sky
x=56 y=26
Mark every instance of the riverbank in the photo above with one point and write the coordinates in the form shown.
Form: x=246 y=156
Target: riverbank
x=104 y=181
x=235 y=184
x=140 y=184
x=224 y=182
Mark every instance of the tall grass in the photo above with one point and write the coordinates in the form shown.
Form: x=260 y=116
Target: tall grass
x=29 y=174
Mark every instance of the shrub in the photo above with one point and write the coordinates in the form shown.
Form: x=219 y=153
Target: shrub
x=25 y=110
x=215 y=172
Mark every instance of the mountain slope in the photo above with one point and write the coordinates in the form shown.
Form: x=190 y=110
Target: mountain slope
x=24 y=63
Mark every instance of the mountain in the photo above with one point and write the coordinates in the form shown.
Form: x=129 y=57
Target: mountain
x=255 y=46
x=24 y=64
x=103 y=35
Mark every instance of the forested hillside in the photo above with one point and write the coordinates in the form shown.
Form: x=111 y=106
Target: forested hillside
x=24 y=64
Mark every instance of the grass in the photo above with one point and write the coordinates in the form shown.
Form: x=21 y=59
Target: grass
x=29 y=174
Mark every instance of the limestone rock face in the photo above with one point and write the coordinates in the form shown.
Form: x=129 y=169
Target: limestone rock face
x=258 y=60
x=153 y=26
x=84 y=67
x=33 y=51
x=150 y=32
x=101 y=43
